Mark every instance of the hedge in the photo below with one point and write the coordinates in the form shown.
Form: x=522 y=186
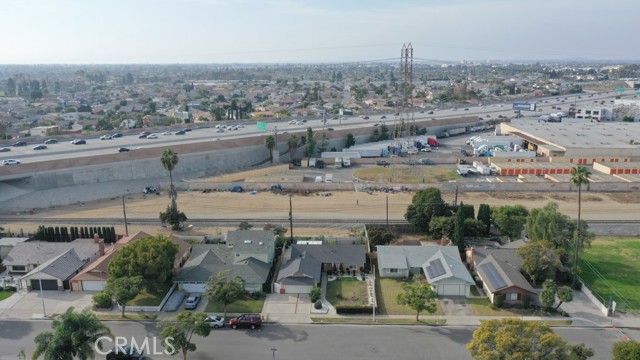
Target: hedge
x=354 y=309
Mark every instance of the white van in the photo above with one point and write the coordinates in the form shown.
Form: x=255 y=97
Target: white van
x=319 y=179
x=328 y=178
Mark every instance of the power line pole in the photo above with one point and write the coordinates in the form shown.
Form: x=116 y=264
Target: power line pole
x=291 y=219
x=124 y=211
x=387 y=211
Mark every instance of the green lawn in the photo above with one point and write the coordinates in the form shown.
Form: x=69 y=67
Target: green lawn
x=347 y=292
x=4 y=295
x=147 y=299
x=247 y=305
x=387 y=291
x=618 y=260
x=482 y=307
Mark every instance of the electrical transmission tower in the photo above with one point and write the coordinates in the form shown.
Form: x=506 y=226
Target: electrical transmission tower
x=407 y=118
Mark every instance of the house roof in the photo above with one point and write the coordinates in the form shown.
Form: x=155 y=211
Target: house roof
x=405 y=257
x=507 y=255
x=61 y=267
x=498 y=275
x=210 y=259
x=303 y=264
x=444 y=265
x=307 y=260
x=252 y=241
x=12 y=241
x=28 y=253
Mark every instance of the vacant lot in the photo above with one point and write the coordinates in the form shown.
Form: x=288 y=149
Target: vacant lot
x=611 y=268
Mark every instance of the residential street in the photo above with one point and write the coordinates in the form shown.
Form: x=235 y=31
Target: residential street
x=314 y=341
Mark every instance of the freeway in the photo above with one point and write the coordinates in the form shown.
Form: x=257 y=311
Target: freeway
x=311 y=342
x=96 y=146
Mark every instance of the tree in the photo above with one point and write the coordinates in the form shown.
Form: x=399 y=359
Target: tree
x=351 y=140
x=169 y=160
x=458 y=234
x=539 y=259
x=324 y=142
x=124 y=289
x=510 y=219
x=270 y=144
x=292 y=144
x=548 y=223
x=511 y=339
x=425 y=204
x=419 y=297
x=74 y=336
x=151 y=257
x=484 y=216
x=441 y=226
x=225 y=288
x=173 y=217
x=176 y=333
x=548 y=293
x=244 y=225
x=310 y=147
x=564 y=294
x=474 y=228
x=380 y=236
x=11 y=87
x=626 y=350
x=579 y=176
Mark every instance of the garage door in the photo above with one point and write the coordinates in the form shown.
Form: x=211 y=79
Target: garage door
x=297 y=289
x=194 y=288
x=452 y=289
x=46 y=284
x=93 y=285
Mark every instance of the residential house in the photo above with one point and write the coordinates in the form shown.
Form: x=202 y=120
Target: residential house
x=7 y=243
x=306 y=263
x=441 y=265
x=245 y=253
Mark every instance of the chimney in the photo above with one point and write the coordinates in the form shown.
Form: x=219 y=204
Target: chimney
x=472 y=258
x=100 y=242
x=96 y=238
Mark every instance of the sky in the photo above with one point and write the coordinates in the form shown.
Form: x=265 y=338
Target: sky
x=314 y=31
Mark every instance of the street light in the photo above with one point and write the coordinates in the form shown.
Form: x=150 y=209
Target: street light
x=274 y=353
x=44 y=311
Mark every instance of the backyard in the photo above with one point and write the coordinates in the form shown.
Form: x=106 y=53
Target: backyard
x=611 y=268
x=387 y=291
x=347 y=292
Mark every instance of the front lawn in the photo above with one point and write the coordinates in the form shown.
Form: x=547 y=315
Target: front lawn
x=482 y=307
x=242 y=306
x=616 y=259
x=387 y=290
x=147 y=299
x=5 y=295
x=347 y=292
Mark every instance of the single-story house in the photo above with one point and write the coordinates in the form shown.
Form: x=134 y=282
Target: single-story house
x=246 y=253
x=55 y=273
x=302 y=271
x=441 y=265
x=94 y=277
x=7 y=243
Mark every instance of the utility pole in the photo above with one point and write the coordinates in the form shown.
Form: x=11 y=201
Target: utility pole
x=290 y=219
x=387 y=211
x=455 y=202
x=44 y=311
x=124 y=211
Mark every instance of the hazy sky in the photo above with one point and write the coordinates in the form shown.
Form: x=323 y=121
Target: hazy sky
x=249 y=31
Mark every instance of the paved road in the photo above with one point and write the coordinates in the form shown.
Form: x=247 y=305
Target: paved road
x=314 y=341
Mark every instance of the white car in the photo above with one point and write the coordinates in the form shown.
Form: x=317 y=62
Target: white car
x=426 y=149
x=152 y=136
x=106 y=137
x=214 y=321
x=167 y=133
x=220 y=130
x=10 y=162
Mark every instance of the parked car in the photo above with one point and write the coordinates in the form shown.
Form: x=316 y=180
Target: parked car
x=125 y=353
x=79 y=142
x=192 y=302
x=246 y=320
x=150 y=190
x=214 y=321
x=5 y=149
x=51 y=141
x=124 y=149
x=20 y=143
x=40 y=147
x=10 y=162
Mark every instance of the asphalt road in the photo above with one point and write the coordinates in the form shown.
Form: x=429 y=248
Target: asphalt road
x=311 y=342
x=96 y=146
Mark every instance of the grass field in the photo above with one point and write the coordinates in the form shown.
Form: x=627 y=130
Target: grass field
x=406 y=174
x=238 y=307
x=387 y=291
x=147 y=299
x=618 y=261
x=5 y=294
x=347 y=292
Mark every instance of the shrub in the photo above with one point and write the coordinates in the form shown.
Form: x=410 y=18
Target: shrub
x=498 y=300
x=257 y=295
x=318 y=305
x=102 y=300
x=354 y=309
x=315 y=294
x=10 y=289
x=526 y=301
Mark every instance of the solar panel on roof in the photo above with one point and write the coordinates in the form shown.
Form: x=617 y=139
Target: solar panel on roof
x=494 y=276
x=435 y=269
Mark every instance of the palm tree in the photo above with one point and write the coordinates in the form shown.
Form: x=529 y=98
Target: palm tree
x=270 y=143
x=169 y=161
x=74 y=336
x=579 y=176
x=292 y=143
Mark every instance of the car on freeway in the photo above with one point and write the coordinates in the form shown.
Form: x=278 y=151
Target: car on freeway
x=124 y=149
x=421 y=111
x=152 y=136
x=106 y=137
x=125 y=353
x=50 y=141
x=10 y=162
x=396 y=114
x=220 y=130
x=118 y=135
x=334 y=118
x=5 y=149
x=186 y=129
x=383 y=117
x=141 y=136
x=150 y=190
x=240 y=126
x=79 y=142
x=366 y=118
x=40 y=147
x=167 y=133
x=430 y=113
x=377 y=124
x=179 y=132
x=246 y=320
x=330 y=129
x=192 y=302
x=215 y=322
x=19 y=143
x=466 y=109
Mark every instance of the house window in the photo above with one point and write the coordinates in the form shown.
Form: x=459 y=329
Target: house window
x=19 y=268
x=393 y=270
x=512 y=296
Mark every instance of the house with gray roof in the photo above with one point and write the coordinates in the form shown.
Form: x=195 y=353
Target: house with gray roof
x=441 y=266
x=302 y=271
x=7 y=243
x=248 y=254
x=55 y=273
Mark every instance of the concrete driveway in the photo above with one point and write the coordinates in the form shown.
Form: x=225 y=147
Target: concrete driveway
x=287 y=308
x=456 y=306
x=25 y=305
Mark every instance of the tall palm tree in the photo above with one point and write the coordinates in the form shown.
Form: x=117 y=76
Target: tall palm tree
x=74 y=336
x=169 y=160
x=579 y=176
x=292 y=143
x=270 y=143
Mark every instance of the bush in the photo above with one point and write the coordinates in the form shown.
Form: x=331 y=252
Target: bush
x=498 y=300
x=354 y=309
x=526 y=301
x=102 y=300
x=315 y=294
x=10 y=289
x=318 y=305
x=257 y=295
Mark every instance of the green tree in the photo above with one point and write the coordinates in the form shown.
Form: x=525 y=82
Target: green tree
x=380 y=236
x=425 y=205
x=324 y=142
x=548 y=293
x=564 y=294
x=548 y=223
x=510 y=219
x=244 y=225
x=124 y=289
x=579 y=176
x=225 y=288
x=351 y=140
x=539 y=259
x=513 y=339
x=292 y=144
x=173 y=217
x=441 y=226
x=177 y=333
x=474 y=228
x=310 y=147
x=74 y=335
x=419 y=297
x=458 y=234
x=270 y=144
x=151 y=257
x=169 y=160
x=11 y=87
x=626 y=350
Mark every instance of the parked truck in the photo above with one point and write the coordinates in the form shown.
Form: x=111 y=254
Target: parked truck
x=346 y=162
x=328 y=178
x=338 y=162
